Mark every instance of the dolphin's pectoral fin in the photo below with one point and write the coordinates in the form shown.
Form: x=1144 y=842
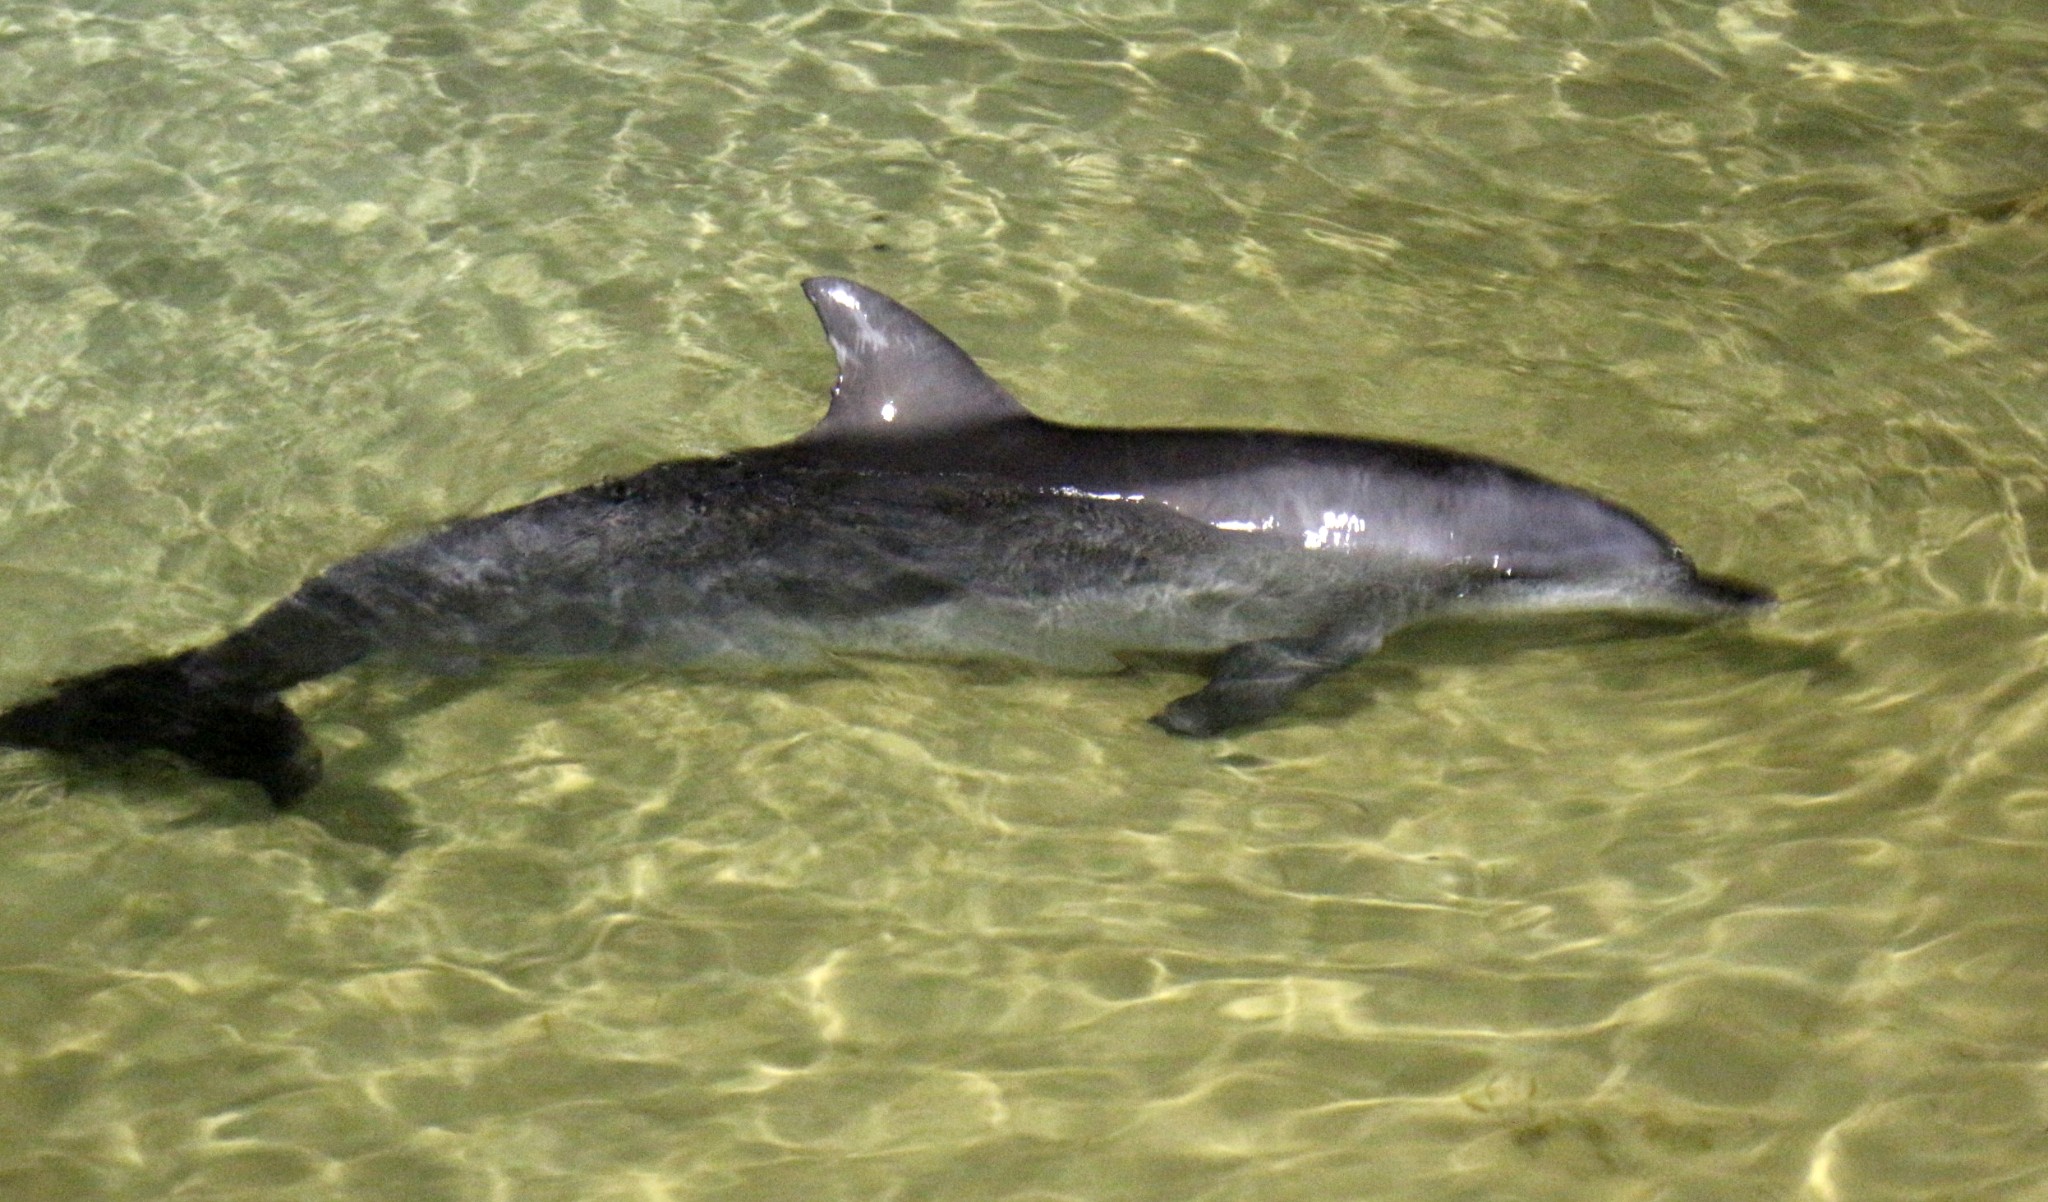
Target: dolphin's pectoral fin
x=1254 y=681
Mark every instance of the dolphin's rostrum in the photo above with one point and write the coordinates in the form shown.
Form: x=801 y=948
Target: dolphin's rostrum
x=927 y=513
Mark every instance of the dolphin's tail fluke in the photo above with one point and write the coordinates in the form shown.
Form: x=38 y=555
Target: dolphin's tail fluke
x=237 y=733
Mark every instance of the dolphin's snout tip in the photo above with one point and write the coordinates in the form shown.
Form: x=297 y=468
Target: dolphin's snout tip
x=1737 y=596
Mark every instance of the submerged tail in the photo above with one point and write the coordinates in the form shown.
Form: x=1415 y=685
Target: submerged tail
x=235 y=733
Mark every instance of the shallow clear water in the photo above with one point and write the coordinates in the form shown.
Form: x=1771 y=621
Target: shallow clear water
x=1736 y=913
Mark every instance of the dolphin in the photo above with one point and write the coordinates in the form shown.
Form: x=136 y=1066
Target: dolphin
x=927 y=513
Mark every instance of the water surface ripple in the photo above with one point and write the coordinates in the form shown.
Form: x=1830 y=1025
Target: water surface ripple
x=1734 y=914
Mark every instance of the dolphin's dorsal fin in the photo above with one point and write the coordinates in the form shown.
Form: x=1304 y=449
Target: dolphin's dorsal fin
x=898 y=376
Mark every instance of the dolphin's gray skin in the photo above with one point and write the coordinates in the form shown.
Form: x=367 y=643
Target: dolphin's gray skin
x=928 y=512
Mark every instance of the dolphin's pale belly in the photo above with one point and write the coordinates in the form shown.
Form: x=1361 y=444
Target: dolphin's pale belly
x=1078 y=630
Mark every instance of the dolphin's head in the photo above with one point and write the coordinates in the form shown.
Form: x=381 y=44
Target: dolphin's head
x=1558 y=546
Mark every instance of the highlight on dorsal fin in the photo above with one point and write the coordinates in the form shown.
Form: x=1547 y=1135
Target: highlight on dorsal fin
x=897 y=375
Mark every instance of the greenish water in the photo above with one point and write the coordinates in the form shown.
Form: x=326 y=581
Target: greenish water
x=1733 y=914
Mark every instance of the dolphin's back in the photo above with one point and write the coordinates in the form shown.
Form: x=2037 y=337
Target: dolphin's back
x=1402 y=506
x=746 y=558
x=907 y=400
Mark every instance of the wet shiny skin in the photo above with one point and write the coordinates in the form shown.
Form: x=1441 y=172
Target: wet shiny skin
x=927 y=513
